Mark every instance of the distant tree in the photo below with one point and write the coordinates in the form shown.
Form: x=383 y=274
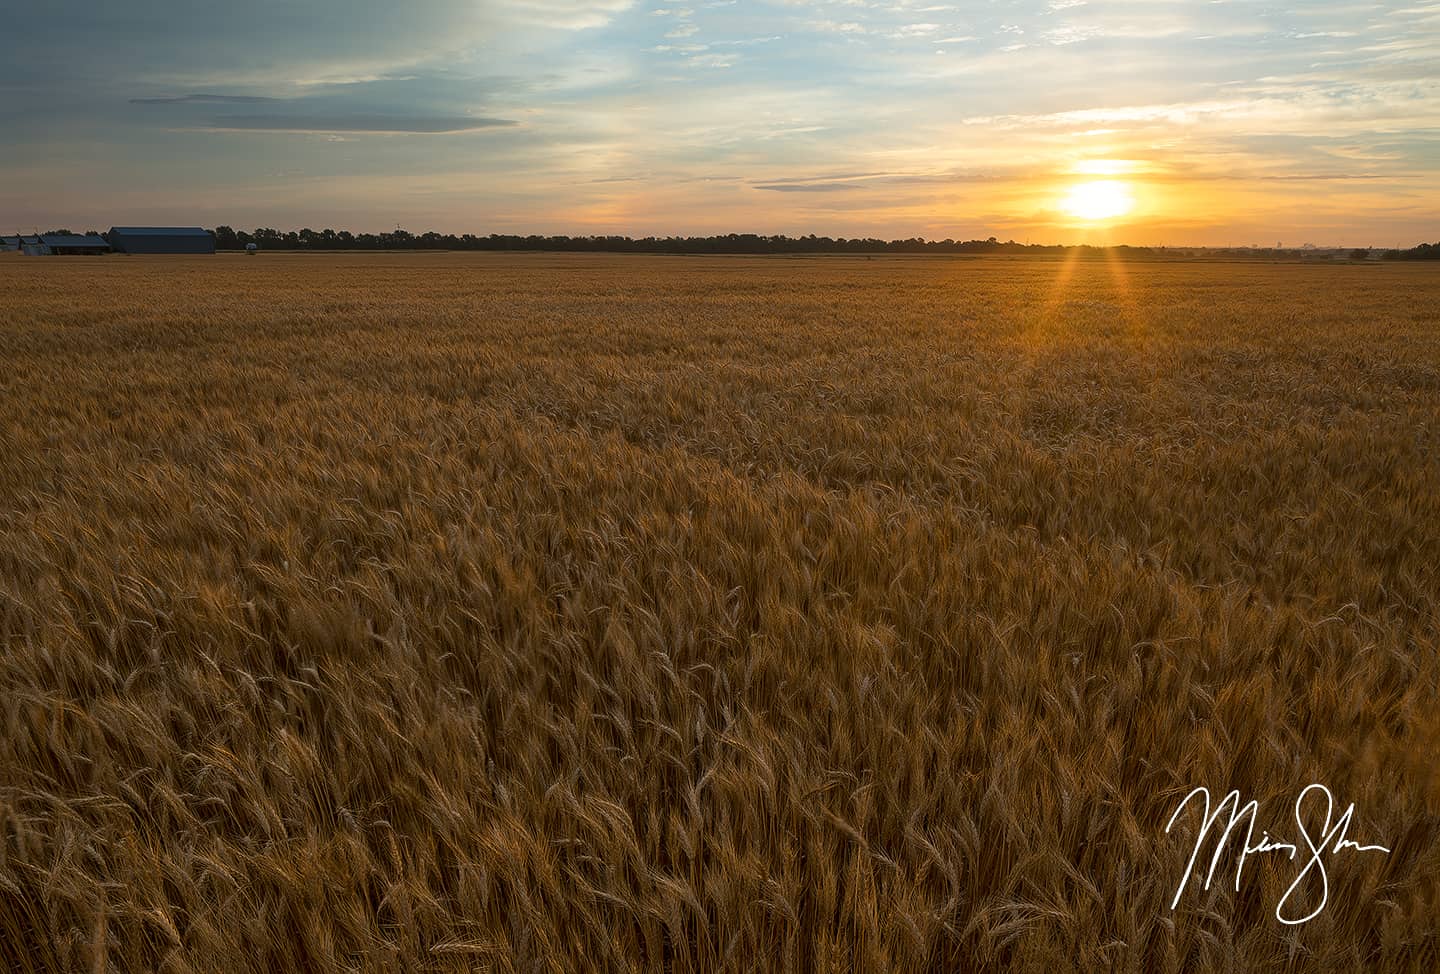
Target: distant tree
x=227 y=239
x=1423 y=252
x=1360 y=253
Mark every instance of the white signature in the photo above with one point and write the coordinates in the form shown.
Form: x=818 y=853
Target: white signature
x=1332 y=839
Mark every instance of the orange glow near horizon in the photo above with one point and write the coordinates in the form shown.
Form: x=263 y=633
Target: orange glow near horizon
x=1105 y=167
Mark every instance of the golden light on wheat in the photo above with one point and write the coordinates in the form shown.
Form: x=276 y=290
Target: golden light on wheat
x=584 y=613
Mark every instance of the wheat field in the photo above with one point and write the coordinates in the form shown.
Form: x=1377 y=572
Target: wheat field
x=568 y=613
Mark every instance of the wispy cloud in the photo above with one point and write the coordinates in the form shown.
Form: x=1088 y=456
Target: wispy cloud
x=203 y=99
x=374 y=124
x=807 y=187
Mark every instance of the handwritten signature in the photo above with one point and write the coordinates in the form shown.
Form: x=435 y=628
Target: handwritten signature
x=1331 y=839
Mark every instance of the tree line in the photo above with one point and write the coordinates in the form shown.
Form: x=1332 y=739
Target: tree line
x=1422 y=252
x=227 y=238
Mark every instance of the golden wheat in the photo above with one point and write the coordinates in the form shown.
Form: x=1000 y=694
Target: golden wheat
x=558 y=613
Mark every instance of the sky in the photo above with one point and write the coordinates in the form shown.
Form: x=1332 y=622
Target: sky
x=1209 y=122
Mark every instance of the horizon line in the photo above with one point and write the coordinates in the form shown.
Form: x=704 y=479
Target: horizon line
x=674 y=238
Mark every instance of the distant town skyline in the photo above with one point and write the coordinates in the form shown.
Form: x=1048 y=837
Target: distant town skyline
x=1145 y=122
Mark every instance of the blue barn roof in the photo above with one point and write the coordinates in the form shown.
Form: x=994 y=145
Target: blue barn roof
x=74 y=240
x=161 y=240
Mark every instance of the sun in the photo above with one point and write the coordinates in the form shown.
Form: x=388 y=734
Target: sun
x=1104 y=199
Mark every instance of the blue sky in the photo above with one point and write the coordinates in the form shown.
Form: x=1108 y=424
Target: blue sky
x=1227 y=122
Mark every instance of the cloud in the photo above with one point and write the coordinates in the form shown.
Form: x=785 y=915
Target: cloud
x=374 y=124
x=277 y=41
x=714 y=60
x=865 y=180
x=914 y=30
x=806 y=187
x=1272 y=105
x=203 y=99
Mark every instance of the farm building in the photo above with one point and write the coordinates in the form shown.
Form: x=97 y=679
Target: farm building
x=161 y=240
x=64 y=244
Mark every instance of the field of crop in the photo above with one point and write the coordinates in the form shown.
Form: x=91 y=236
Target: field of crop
x=566 y=613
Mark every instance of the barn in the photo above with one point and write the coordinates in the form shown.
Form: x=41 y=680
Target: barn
x=161 y=240
x=63 y=244
x=74 y=243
